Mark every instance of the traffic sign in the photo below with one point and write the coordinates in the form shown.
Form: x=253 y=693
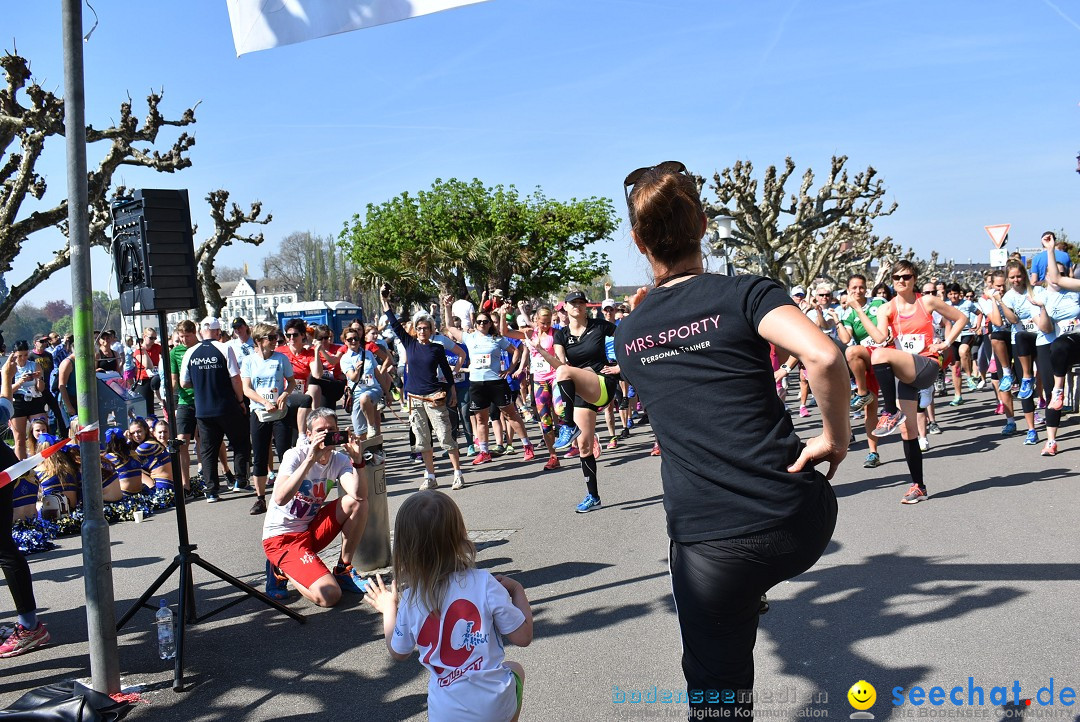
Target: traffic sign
x=999 y=233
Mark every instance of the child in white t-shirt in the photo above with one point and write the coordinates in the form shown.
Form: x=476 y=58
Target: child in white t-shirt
x=454 y=613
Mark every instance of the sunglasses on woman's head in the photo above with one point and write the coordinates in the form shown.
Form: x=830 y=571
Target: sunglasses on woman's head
x=668 y=166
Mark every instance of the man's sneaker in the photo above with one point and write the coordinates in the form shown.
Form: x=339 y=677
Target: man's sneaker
x=588 y=504
x=859 y=401
x=624 y=434
x=981 y=384
x=957 y=401
x=933 y=428
x=888 y=423
x=1050 y=449
x=429 y=483
x=259 y=507
x=1027 y=388
x=574 y=452
x=552 y=463
x=1057 y=400
x=212 y=498
x=914 y=495
x=417 y=458
x=613 y=444
x=471 y=451
x=276 y=583
x=924 y=444
x=1000 y=408
x=24 y=640
x=482 y=458
x=241 y=484
x=655 y=449
x=1006 y=382
x=350 y=580
x=530 y=453
x=459 y=482
x=1032 y=438
x=508 y=449
x=804 y=412
x=873 y=460
x=496 y=450
x=1009 y=428
x=567 y=434
x=972 y=384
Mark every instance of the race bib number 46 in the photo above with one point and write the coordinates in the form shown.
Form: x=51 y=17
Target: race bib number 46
x=911 y=342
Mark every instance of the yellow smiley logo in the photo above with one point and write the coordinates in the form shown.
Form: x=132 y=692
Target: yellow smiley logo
x=862 y=695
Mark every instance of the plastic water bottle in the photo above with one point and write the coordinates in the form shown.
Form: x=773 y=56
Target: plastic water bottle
x=166 y=639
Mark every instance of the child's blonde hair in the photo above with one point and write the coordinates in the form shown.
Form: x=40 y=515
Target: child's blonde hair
x=430 y=544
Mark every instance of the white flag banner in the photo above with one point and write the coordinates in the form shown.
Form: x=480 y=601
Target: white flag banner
x=265 y=24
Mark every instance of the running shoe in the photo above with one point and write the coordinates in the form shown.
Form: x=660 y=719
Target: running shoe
x=644 y=419
x=613 y=444
x=924 y=444
x=552 y=463
x=24 y=640
x=957 y=401
x=1041 y=404
x=271 y=478
x=241 y=484
x=350 y=580
x=873 y=460
x=859 y=401
x=212 y=498
x=1032 y=438
x=588 y=504
x=811 y=401
x=914 y=495
x=567 y=435
x=1027 y=388
x=974 y=385
x=429 y=483
x=482 y=458
x=471 y=451
x=1050 y=449
x=259 y=507
x=1000 y=408
x=508 y=449
x=933 y=428
x=459 y=482
x=417 y=458
x=1057 y=400
x=1009 y=428
x=856 y=415
x=939 y=386
x=276 y=583
x=655 y=449
x=572 y=453
x=625 y=433
x=496 y=451
x=530 y=453
x=804 y=412
x=1006 y=382
x=981 y=384
x=1038 y=418
x=888 y=423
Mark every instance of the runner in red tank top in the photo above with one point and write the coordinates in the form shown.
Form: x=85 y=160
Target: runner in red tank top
x=908 y=324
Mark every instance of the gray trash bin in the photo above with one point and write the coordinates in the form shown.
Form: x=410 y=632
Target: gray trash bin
x=374 y=550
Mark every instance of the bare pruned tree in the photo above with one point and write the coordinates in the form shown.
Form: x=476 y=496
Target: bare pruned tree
x=29 y=115
x=806 y=235
x=227 y=223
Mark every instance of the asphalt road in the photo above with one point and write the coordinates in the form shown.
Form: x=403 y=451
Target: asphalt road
x=979 y=581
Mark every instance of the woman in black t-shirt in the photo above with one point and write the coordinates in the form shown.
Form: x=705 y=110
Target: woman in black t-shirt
x=747 y=510
x=584 y=377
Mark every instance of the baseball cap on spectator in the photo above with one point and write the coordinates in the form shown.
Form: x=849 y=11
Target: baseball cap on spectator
x=607 y=303
x=211 y=323
x=238 y=322
x=576 y=296
x=559 y=306
x=798 y=291
x=497 y=293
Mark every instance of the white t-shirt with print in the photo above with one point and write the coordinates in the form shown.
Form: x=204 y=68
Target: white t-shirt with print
x=296 y=515
x=462 y=647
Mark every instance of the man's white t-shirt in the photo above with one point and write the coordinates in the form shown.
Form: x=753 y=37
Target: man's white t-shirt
x=462 y=647
x=296 y=515
x=464 y=309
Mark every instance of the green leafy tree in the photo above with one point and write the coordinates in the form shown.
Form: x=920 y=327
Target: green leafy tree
x=459 y=234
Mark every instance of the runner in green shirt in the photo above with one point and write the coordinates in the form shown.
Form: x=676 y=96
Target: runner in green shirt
x=185 y=398
x=851 y=330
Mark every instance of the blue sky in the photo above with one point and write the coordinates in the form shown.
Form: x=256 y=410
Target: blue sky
x=968 y=110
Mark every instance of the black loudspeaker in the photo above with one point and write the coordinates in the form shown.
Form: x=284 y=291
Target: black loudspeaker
x=153 y=252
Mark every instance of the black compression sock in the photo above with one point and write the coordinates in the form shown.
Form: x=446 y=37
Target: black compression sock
x=913 y=454
x=568 y=391
x=588 y=468
x=887 y=382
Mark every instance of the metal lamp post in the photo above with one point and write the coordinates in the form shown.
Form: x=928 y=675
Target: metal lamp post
x=721 y=232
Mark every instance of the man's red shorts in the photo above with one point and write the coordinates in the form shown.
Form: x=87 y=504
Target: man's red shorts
x=297 y=553
x=872 y=385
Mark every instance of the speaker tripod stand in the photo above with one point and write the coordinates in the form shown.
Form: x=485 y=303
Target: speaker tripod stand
x=187 y=557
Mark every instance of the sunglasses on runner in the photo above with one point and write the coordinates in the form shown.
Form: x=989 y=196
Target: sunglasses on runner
x=903 y=276
x=270 y=337
x=350 y=339
x=668 y=166
x=483 y=320
x=293 y=335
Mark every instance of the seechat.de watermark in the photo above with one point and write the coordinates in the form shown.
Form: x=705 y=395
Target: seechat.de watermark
x=656 y=701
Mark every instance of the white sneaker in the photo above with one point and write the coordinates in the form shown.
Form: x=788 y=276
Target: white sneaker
x=924 y=444
x=429 y=483
x=459 y=482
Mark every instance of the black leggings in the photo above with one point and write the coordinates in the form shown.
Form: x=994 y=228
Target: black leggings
x=1025 y=343
x=1064 y=353
x=16 y=570
x=717 y=586
x=261 y=434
